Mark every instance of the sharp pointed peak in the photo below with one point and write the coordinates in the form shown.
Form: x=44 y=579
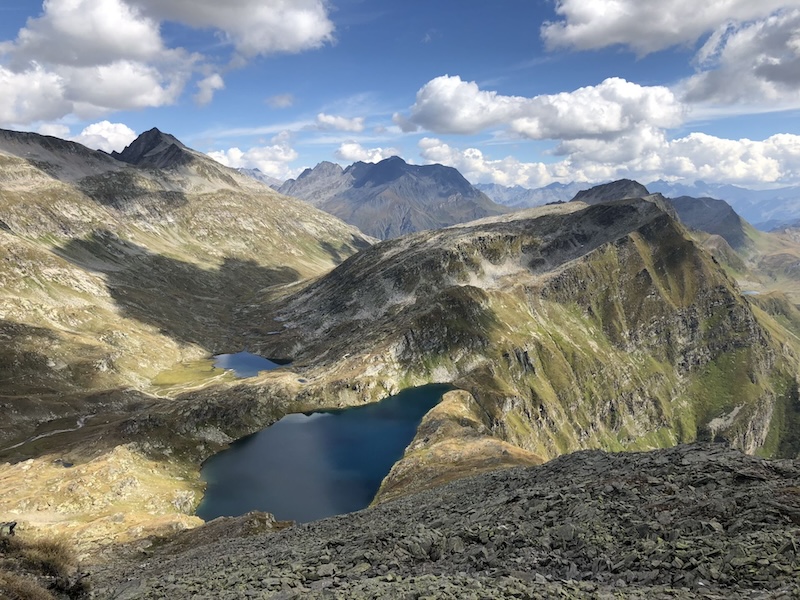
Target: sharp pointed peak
x=154 y=148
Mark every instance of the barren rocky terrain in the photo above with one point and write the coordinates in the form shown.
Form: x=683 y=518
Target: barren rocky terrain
x=696 y=521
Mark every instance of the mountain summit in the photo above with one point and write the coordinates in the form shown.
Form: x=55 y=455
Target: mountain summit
x=623 y=188
x=157 y=149
x=392 y=198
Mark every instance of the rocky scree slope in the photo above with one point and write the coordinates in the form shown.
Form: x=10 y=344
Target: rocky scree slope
x=696 y=521
x=392 y=198
x=572 y=326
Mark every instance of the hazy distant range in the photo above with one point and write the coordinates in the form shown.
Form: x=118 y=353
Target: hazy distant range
x=766 y=209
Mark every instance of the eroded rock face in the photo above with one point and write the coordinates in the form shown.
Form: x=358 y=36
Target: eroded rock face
x=692 y=521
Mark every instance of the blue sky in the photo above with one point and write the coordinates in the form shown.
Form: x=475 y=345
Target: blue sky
x=515 y=91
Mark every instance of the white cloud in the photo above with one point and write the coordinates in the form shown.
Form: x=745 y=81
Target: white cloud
x=478 y=168
x=58 y=130
x=271 y=160
x=106 y=136
x=328 y=122
x=206 y=88
x=353 y=151
x=449 y=105
x=701 y=156
x=30 y=96
x=91 y=57
x=648 y=26
x=644 y=156
x=122 y=86
x=280 y=101
x=253 y=26
x=78 y=32
x=756 y=64
x=614 y=107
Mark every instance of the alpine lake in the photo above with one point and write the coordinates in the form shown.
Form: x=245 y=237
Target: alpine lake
x=310 y=466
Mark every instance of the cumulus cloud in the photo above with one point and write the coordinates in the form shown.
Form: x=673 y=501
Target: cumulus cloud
x=253 y=26
x=333 y=122
x=695 y=156
x=106 y=136
x=449 y=105
x=280 y=101
x=87 y=58
x=647 y=26
x=77 y=32
x=271 y=160
x=756 y=64
x=207 y=87
x=353 y=151
x=30 y=96
x=122 y=85
x=476 y=167
x=58 y=130
x=92 y=57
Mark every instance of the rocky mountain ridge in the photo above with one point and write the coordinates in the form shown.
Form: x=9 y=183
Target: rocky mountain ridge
x=767 y=209
x=615 y=190
x=392 y=198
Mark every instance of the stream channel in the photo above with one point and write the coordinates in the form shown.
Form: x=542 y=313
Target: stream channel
x=311 y=466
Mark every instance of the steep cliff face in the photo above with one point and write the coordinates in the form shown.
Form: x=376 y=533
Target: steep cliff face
x=572 y=326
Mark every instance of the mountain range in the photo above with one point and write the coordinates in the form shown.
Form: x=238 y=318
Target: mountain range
x=616 y=321
x=766 y=209
x=392 y=198
x=520 y=197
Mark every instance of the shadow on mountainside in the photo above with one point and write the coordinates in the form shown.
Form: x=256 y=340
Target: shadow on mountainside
x=32 y=362
x=122 y=189
x=182 y=300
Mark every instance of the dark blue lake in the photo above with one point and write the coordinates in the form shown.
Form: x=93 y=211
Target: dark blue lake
x=310 y=466
x=245 y=364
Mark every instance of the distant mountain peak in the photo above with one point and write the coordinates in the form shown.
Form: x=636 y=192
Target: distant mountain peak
x=391 y=197
x=154 y=148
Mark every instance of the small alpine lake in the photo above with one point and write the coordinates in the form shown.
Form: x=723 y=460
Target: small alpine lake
x=245 y=364
x=311 y=466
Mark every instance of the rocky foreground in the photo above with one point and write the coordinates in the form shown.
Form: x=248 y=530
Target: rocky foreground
x=696 y=521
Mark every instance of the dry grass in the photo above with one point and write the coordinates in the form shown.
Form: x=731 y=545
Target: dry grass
x=32 y=567
x=49 y=557
x=17 y=587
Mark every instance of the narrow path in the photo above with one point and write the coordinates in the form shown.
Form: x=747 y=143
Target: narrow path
x=80 y=423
